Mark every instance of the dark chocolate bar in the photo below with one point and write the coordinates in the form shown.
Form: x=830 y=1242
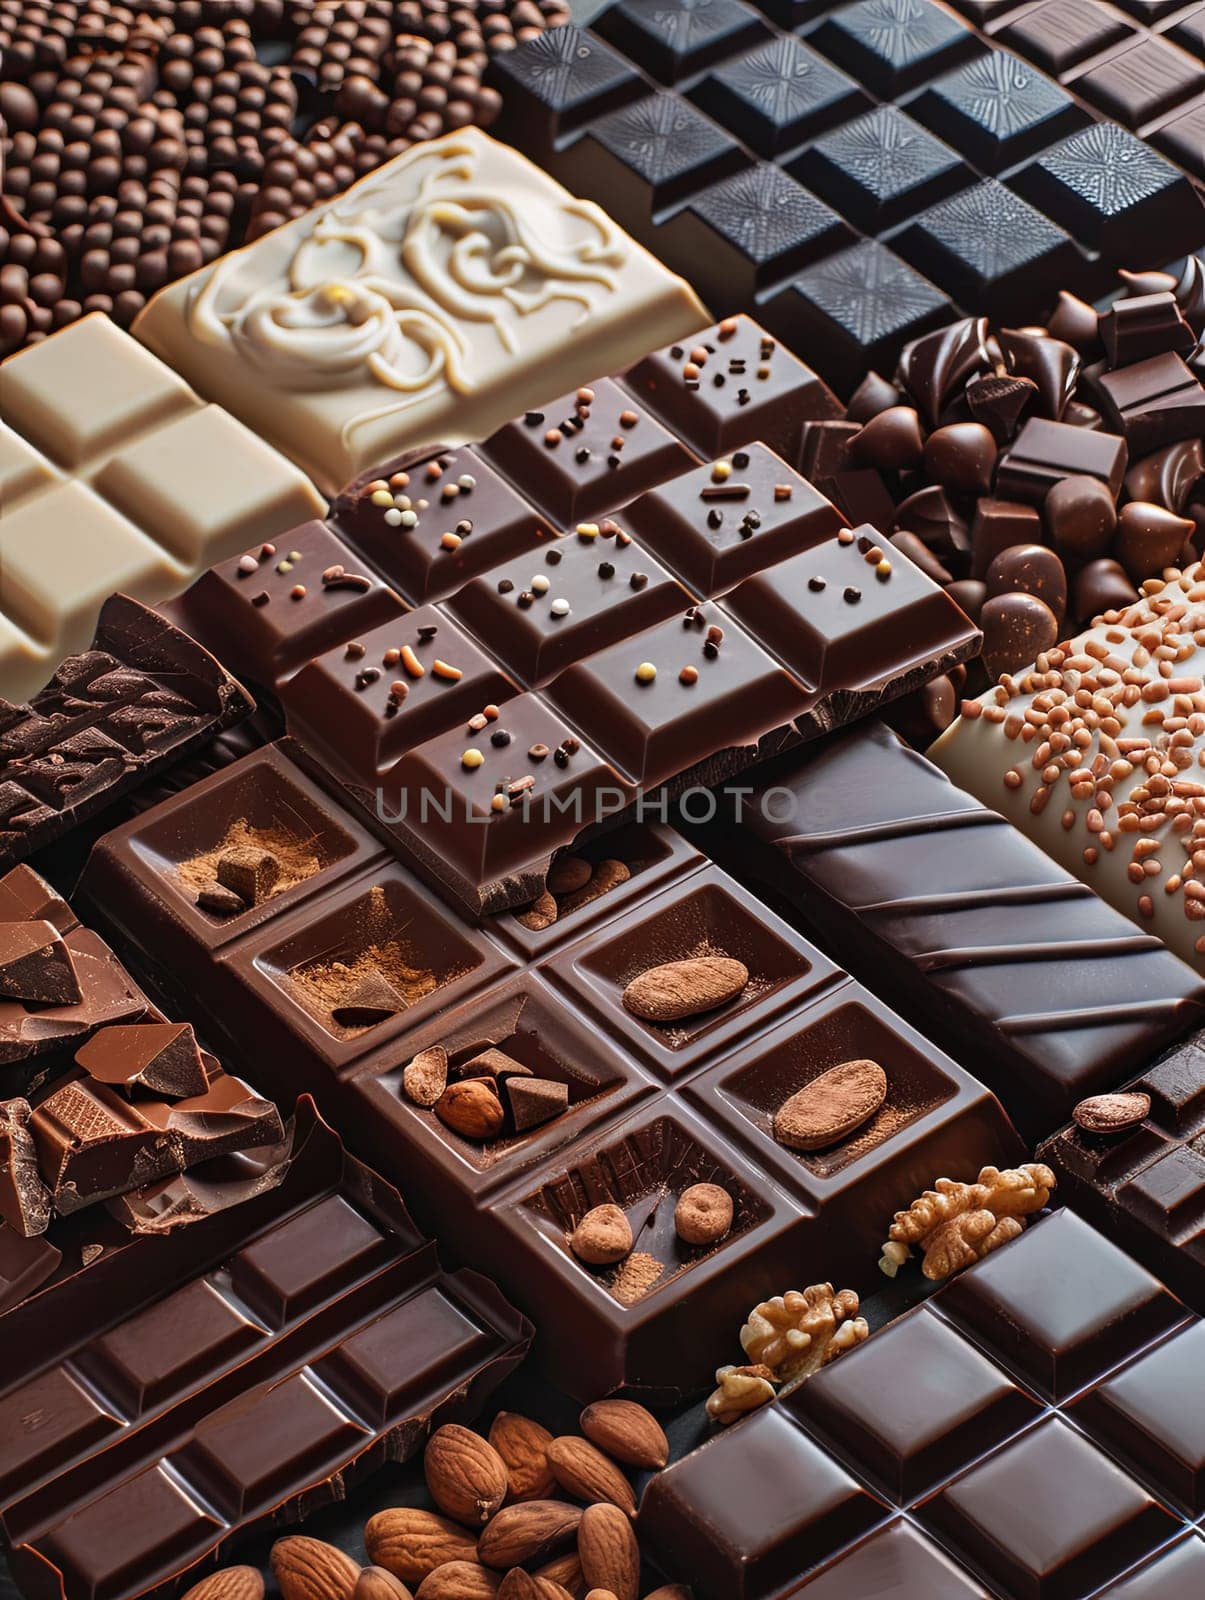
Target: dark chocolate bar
x=143 y=695
x=275 y=1353
x=921 y=1457
x=955 y=900
x=1145 y=1183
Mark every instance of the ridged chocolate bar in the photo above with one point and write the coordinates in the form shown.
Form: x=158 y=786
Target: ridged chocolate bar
x=1048 y=992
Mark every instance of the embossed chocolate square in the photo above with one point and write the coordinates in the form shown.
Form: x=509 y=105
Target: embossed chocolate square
x=437 y=297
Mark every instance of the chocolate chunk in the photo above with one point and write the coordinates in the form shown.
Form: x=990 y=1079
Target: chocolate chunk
x=1030 y=569
x=961 y=457
x=1143 y=327
x=1102 y=586
x=1051 y=364
x=222 y=902
x=160 y=1056
x=36 y=966
x=1081 y=516
x=1016 y=629
x=1043 y=452
x=1075 y=322
x=1135 y=329
x=1150 y=538
x=1171 y=477
x=1154 y=403
x=999 y=404
x=24 y=1201
x=534 y=1101
x=916 y=550
x=930 y=515
x=1190 y=295
x=493 y=1063
x=997 y=525
x=368 y=1002
x=892 y=440
x=938 y=366
x=873 y=394
x=970 y=594
x=25 y=1265
x=249 y=872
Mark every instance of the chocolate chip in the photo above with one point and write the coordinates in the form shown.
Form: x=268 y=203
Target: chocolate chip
x=1016 y=629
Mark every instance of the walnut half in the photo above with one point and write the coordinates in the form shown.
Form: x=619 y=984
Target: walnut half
x=956 y=1224
x=793 y=1333
x=739 y=1390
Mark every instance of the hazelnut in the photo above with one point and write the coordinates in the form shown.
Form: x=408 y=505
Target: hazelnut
x=703 y=1214
x=603 y=1236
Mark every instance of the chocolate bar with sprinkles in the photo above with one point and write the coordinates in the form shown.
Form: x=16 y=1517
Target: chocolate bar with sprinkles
x=964 y=924
x=1096 y=753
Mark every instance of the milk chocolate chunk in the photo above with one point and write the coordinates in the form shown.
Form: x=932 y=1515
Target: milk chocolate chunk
x=1045 y=452
x=162 y=1057
x=24 y=1202
x=25 y=1265
x=997 y=525
x=1138 y=327
x=1172 y=477
x=999 y=403
x=1102 y=586
x=36 y=966
x=1076 y=322
x=1154 y=402
x=1049 y=363
x=534 y=1101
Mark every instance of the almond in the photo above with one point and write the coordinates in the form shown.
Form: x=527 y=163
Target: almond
x=832 y=1106
x=608 y=1552
x=600 y=1594
x=231 y=1583
x=626 y=1432
x=411 y=1543
x=426 y=1076
x=311 y=1569
x=522 y=1444
x=568 y=875
x=540 y=914
x=567 y=1571
x=608 y=875
x=466 y=1476
x=604 y=1235
x=703 y=1214
x=472 y=1108
x=588 y=1475
x=679 y=989
x=459 y=1580
x=1112 y=1113
x=520 y=1585
x=671 y=1591
x=374 y=1583
x=531 y=1532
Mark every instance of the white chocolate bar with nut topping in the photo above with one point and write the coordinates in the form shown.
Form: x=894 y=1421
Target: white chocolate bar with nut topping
x=1097 y=753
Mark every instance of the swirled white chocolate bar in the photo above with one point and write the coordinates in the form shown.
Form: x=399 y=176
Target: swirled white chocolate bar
x=449 y=290
x=1097 y=752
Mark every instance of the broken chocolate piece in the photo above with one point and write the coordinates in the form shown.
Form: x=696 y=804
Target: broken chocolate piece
x=250 y=872
x=160 y=1056
x=25 y=1265
x=36 y=966
x=372 y=1000
x=496 y=1063
x=534 y=1101
x=1144 y=326
x=24 y=1202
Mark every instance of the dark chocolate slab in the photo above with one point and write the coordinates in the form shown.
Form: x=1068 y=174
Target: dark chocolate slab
x=1024 y=970
x=881 y=168
x=893 y=45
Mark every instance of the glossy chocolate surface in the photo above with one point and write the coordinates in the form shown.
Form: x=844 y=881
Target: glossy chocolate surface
x=954 y=897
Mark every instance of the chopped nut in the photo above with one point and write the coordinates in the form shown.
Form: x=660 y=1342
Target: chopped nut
x=740 y=1389
x=956 y=1224
x=794 y=1333
x=426 y=1076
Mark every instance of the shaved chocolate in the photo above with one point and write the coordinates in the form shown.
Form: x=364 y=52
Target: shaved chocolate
x=36 y=966
x=159 y=1056
x=24 y=1201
